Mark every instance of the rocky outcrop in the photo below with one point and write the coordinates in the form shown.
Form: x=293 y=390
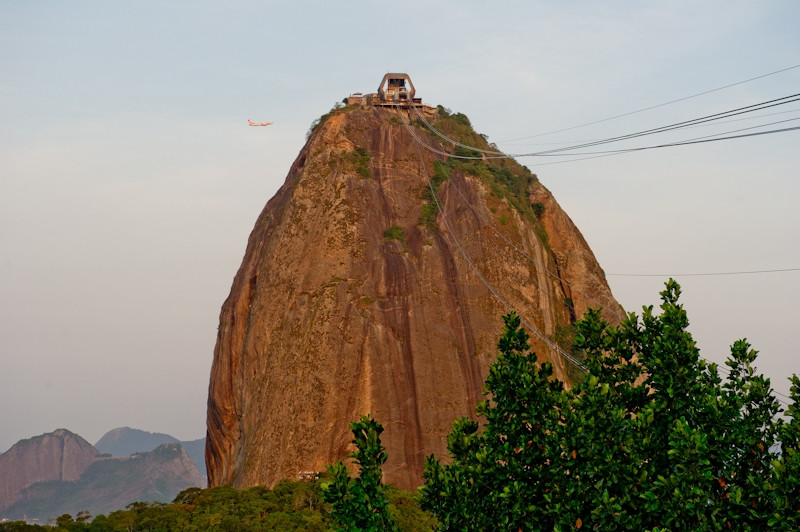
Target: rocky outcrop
x=124 y=441
x=110 y=484
x=59 y=455
x=582 y=280
x=345 y=304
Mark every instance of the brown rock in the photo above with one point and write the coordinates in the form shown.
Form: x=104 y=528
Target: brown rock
x=581 y=277
x=58 y=455
x=110 y=484
x=328 y=319
x=156 y=475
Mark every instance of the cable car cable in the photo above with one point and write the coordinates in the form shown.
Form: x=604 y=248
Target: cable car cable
x=521 y=251
x=670 y=127
x=533 y=329
x=655 y=106
x=707 y=274
x=474 y=268
x=688 y=127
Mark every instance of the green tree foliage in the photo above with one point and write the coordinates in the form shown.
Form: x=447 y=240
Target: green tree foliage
x=395 y=232
x=338 y=107
x=786 y=515
x=650 y=439
x=20 y=526
x=538 y=209
x=497 y=477
x=506 y=178
x=361 y=503
x=406 y=513
x=291 y=505
x=357 y=159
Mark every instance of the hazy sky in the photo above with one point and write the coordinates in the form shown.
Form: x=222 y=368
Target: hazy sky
x=129 y=180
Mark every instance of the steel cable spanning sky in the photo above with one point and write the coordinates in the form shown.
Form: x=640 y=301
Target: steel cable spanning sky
x=569 y=150
x=671 y=127
x=782 y=398
x=550 y=343
x=655 y=106
x=703 y=120
x=679 y=125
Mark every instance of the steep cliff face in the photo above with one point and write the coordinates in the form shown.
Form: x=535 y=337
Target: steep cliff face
x=58 y=455
x=346 y=303
x=581 y=279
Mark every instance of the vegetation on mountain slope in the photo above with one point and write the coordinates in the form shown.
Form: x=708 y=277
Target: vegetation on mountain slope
x=505 y=178
x=291 y=505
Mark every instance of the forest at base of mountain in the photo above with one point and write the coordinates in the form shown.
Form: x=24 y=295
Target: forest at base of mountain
x=680 y=450
x=291 y=505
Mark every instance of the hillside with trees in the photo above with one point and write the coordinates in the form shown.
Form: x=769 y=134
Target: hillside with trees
x=653 y=438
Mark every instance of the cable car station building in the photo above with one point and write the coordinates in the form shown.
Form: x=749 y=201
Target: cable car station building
x=395 y=89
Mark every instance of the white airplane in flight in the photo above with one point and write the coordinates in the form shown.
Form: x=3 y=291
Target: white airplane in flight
x=251 y=123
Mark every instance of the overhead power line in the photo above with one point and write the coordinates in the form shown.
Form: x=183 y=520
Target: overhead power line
x=508 y=241
x=678 y=125
x=566 y=356
x=748 y=272
x=702 y=140
x=654 y=106
x=455 y=142
x=494 y=292
x=568 y=151
x=747 y=118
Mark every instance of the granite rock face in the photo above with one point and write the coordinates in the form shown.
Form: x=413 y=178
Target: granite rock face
x=345 y=304
x=58 y=455
x=110 y=484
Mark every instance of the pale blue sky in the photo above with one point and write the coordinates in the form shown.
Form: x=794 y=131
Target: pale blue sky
x=129 y=180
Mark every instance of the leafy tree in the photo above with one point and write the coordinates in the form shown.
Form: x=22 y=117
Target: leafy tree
x=406 y=513
x=18 y=526
x=786 y=512
x=650 y=439
x=361 y=503
x=498 y=476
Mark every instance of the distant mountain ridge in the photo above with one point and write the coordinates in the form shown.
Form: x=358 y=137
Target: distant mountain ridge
x=109 y=484
x=60 y=472
x=57 y=456
x=124 y=441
